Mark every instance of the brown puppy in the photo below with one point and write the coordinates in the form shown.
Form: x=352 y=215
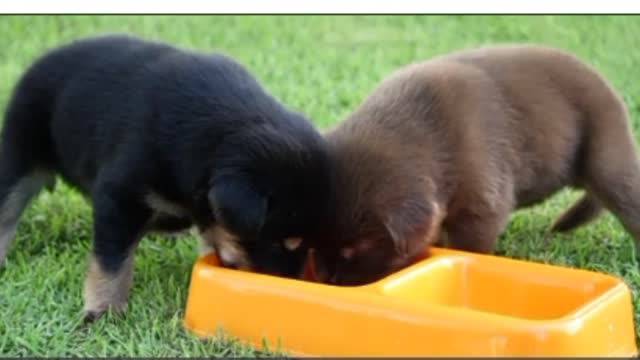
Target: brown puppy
x=446 y=149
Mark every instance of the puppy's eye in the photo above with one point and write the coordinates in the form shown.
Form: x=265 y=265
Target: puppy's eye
x=292 y=243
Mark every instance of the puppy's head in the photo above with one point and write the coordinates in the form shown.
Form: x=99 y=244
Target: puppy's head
x=376 y=243
x=384 y=218
x=267 y=194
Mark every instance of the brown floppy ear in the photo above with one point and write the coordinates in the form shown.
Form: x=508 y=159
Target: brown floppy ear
x=411 y=223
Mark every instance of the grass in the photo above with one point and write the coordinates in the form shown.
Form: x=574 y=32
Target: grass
x=323 y=65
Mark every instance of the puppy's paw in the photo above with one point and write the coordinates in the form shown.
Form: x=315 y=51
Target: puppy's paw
x=106 y=291
x=91 y=316
x=93 y=313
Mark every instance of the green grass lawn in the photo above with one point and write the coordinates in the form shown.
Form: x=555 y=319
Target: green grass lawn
x=323 y=65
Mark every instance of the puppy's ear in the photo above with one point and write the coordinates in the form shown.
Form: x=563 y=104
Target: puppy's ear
x=411 y=224
x=237 y=204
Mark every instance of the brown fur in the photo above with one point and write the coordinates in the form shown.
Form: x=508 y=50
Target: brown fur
x=446 y=149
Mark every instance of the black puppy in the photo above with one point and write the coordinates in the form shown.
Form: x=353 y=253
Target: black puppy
x=160 y=138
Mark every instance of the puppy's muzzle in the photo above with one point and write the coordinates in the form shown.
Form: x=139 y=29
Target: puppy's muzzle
x=227 y=247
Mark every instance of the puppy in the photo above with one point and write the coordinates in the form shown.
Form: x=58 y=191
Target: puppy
x=442 y=151
x=160 y=139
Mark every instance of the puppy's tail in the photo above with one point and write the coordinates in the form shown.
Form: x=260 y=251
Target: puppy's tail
x=580 y=213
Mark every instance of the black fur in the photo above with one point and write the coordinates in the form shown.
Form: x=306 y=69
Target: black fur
x=117 y=116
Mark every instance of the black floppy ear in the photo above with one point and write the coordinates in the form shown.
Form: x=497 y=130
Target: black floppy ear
x=410 y=224
x=237 y=204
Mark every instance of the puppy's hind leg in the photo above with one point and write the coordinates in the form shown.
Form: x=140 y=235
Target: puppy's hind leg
x=611 y=170
x=25 y=157
x=18 y=186
x=585 y=210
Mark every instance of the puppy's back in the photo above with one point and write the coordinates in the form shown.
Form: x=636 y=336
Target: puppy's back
x=530 y=106
x=58 y=66
x=554 y=101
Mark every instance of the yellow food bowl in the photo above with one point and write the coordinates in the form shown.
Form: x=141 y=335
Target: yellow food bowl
x=450 y=304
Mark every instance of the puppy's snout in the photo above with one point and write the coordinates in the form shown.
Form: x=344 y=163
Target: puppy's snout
x=228 y=248
x=230 y=265
x=235 y=264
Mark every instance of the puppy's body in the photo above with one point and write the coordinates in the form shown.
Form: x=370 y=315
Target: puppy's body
x=160 y=139
x=445 y=150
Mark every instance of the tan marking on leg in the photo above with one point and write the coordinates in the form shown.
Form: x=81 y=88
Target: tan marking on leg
x=104 y=291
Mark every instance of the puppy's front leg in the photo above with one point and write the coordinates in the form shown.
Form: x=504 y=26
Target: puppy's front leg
x=119 y=222
x=475 y=233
